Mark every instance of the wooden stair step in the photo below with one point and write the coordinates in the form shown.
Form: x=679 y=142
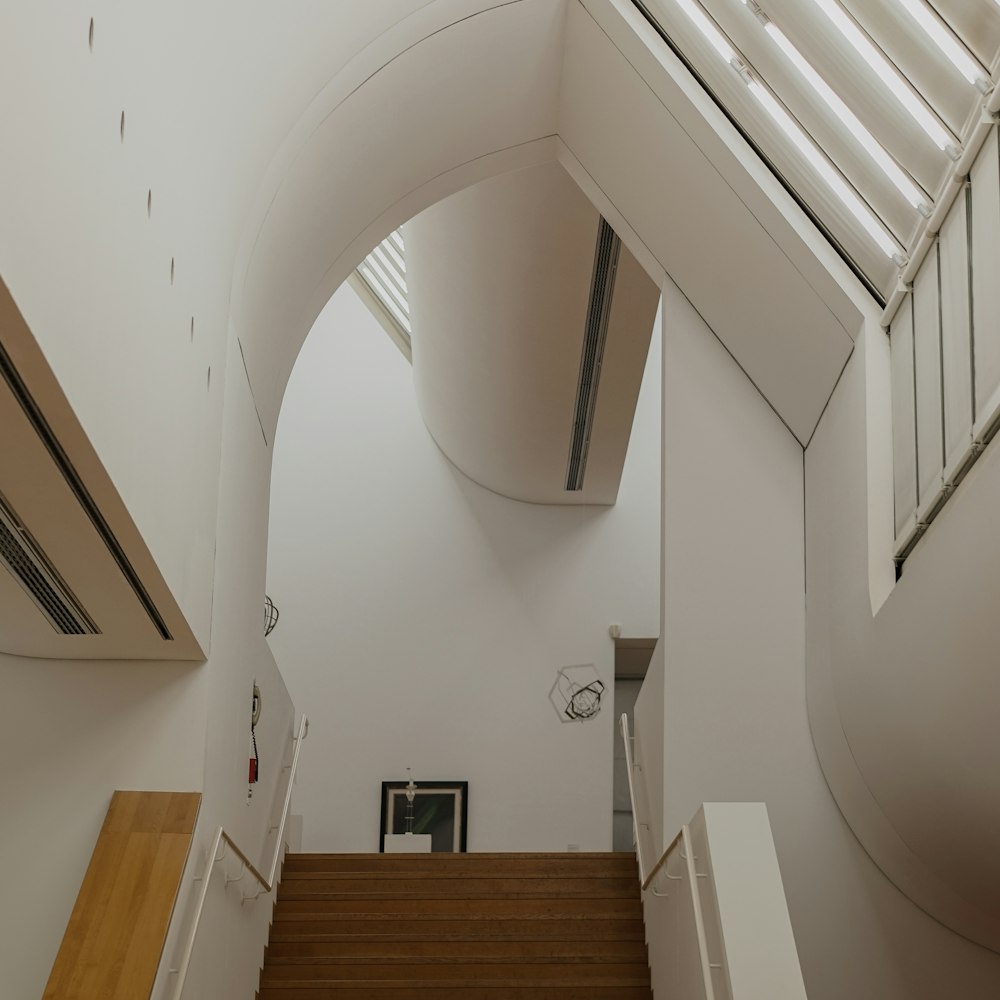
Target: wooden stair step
x=500 y=973
x=402 y=950
x=457 y=888
x=343 y=927
x=429 y=991
x=299 y=866
x=485 y=906
x=447 y=857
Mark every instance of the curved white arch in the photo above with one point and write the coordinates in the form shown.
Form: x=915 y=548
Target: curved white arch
x=401 y=126
x=420 y=128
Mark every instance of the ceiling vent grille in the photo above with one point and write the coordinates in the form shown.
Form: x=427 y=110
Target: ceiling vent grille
x=27 y=562
x=45 y=434
x=602 y=284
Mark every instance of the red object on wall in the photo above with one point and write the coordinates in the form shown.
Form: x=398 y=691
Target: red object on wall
x=253 y=770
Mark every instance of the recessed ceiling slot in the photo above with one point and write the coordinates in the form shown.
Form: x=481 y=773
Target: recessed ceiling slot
x=33 y=412
x=602 y=284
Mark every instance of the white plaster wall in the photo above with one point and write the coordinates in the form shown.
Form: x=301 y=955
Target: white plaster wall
x=736 y=726
x=70 y=735
x=231 y=937
x=423 y=617
x=208 y=99
x=900 y=702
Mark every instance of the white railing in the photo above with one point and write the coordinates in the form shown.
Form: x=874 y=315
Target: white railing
x=678 y=849
x=264 y=883
x=716 y=917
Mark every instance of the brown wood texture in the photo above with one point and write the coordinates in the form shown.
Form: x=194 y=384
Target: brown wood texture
x=457 y=927
x=114 y=939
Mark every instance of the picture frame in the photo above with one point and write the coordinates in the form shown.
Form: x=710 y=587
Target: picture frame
x=441 y=809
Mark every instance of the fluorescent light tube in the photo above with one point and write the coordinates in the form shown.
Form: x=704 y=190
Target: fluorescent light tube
x=871 y=145
x=826 y=170
x=705 y=25
x=947 y=43
x=889 y=75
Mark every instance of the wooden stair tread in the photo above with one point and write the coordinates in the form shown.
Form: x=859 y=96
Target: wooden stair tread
x=434 y=991
x=507 y=975
x=501 y=952
x=485 y=906
x=447 y=857
x=457 y=927
x=454 y=930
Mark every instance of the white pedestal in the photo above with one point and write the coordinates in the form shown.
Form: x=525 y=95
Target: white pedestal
x=407 y=843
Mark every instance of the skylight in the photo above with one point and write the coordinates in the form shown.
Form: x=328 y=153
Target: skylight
x=861 y=108
x=384 y=273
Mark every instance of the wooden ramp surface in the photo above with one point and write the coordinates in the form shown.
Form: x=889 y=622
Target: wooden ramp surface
x=112 y=945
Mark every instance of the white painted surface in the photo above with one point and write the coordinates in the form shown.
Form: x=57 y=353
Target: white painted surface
x=743 y=893
x=91 y=270
x=735 y=692
x=423 y=617
x=407 y=843
x=985 y=179
x=665 y=174
x=71 y=734
x=904 y=426
x=927 y=377
x=901 y=703
x=499 y=279
x=675 y=933
x=231 y=938
x=956 y=318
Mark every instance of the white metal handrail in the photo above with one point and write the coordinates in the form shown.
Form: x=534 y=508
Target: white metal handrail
x=629 y=765
x=645 y=878
x=264 y=885
x=686 y=853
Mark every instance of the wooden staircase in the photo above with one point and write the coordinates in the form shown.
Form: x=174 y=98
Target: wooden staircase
x=457 y=927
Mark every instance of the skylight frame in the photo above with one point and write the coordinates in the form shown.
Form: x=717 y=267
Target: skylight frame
x=810 y=152
x=383 y=272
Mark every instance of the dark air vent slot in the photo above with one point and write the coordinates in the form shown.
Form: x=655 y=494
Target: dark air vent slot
x=30 y=567
x=34 y=414
x=602 y=285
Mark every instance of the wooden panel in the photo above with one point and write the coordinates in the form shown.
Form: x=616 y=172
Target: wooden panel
x=112 y=945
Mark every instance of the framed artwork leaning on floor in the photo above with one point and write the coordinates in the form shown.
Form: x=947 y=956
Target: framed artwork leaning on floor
x=439 y=808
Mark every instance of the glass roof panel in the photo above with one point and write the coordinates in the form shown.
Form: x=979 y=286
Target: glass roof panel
x=875 y=144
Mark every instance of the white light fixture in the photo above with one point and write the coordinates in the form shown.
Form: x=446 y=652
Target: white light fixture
x=706 y=26
x=869 y=143
x=890 y=76
x=948 y=44
x=818 y=161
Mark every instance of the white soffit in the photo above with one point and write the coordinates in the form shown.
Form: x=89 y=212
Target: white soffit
x=955 y=102
x=67 y=538
x=500 y=283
